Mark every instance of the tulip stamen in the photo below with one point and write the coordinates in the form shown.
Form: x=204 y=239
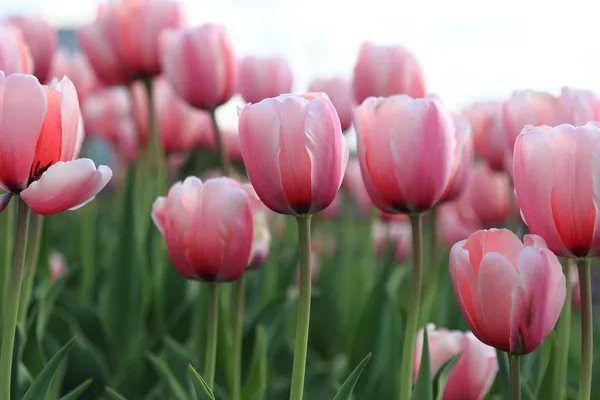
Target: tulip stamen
x=37 y=171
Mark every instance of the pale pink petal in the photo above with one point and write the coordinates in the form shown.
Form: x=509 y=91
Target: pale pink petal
x=66 y=185
x=22 y=112
x=70 y=119
x=501 y=241
x=259 y=128
x=159 y=214
x=546 y=286
x=535 y=241
x=497 y=280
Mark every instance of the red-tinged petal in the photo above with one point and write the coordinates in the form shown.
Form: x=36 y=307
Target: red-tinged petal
x=259 y=128
x=22 y=111
x=497 y=280
x=546 y=287
x=500 y=241
x=66 y=186
x=533 y=175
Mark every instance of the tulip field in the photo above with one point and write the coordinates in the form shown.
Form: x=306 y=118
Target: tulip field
x=358 y=239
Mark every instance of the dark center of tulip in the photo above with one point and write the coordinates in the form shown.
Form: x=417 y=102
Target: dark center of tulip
x=37 y=170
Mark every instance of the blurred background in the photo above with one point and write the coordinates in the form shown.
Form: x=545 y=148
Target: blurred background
x=469 y=49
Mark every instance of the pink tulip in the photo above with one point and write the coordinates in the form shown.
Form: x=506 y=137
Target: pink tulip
x=395 y=233
x=208 y=228
x=76 y=67
x=40 y=136
x=510 y=294
x=200 y=65
x=473 y=374
x=100 y=43
x=556 y=172
x=231 y=143
x=526 y=107
x=294 y=151
x=15 y=56
x=488 y=133
x=140 y=24
x=383 y=71
x=341 y=95
x=57 y=265
x=355 y=186
x=181 y=127
x=40 y=37
x=315 y=268
x=453 y=225
x=487 y=198
x=107 y=113
x=261 y=242
x=260 y=78
x=463 y=161
x=406 y=148
x=578 y=107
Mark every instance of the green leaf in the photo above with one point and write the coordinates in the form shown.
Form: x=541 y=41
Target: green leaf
x=40 y=386
x=347 y=387
x=423 y=388
x=441 y=378
x=113 y=394
x=168 y=378
x=75 y=393
x=200 y=384
x=46 y=306
x=256 y=384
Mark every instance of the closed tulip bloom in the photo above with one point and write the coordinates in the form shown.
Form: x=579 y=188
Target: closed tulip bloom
x=355 y=186
x=487 y=197
x=555 y=172
x=407 y=149
x=260 y=78
x=231 y=144
x=40 y=135
x=15 y=56
x=489 y=139
x=140 y=24
x=341 y=94
x=510 y=293
x=453 y=225
x=463 y=161
x=208 y=228
x=76 y=67
x=473 y=374
x=107 y=111
x=100 y=43
x=200 y=65
x=41 y=39
x=527 y=107
x=578 y=107
x=383 y=71
x=294 y=152
x=57 y=266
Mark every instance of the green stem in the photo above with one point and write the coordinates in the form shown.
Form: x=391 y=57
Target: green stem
x=210 y=357
x=587 y=329
x=564 y=332
x=7 y=226
x=88 y=250
x=158 y=153
x=514 y=374
x=238 y=336
x=36 y=227
x=303 y=321
x=225 y=164
x=11 y=305
x=431 y=289
x=410 y=333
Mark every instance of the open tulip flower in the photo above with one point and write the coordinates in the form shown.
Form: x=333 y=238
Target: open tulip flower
x=40 y=136
x=510 y=293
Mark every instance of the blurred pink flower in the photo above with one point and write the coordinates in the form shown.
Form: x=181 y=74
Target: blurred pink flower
x=355 y=186
x=260 y=78
x=75 y=67
x=341 y=95
x=489 y=138
x=15 y=56
x=578 y=107
x=57 y=265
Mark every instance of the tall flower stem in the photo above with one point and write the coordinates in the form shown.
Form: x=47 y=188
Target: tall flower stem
x=587 y=329
x=410 y=333
x=238 y=336
x=432 y=284
x=224 y=160
x=210 y=357
x=303 y=321
x=11 y=303
x=36 y=227
x=564 y=332
x=514 y=373
x=88 y=251
x=7 y=219
x=158 y=155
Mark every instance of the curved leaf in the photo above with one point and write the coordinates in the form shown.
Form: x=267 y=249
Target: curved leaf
x=168 y=378
x=200 y=384
x=347 y=387
x=75 y=393
x=423 y=388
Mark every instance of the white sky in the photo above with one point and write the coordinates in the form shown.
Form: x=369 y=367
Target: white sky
x=469 y=49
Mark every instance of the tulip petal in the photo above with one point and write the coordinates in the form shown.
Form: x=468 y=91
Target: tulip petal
x=546 y=287
x=158 y=214
x=500 y=241
x=70 y=118
x=4 y=200
x=66 y=186
x=22 y=111
x=497 y=280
